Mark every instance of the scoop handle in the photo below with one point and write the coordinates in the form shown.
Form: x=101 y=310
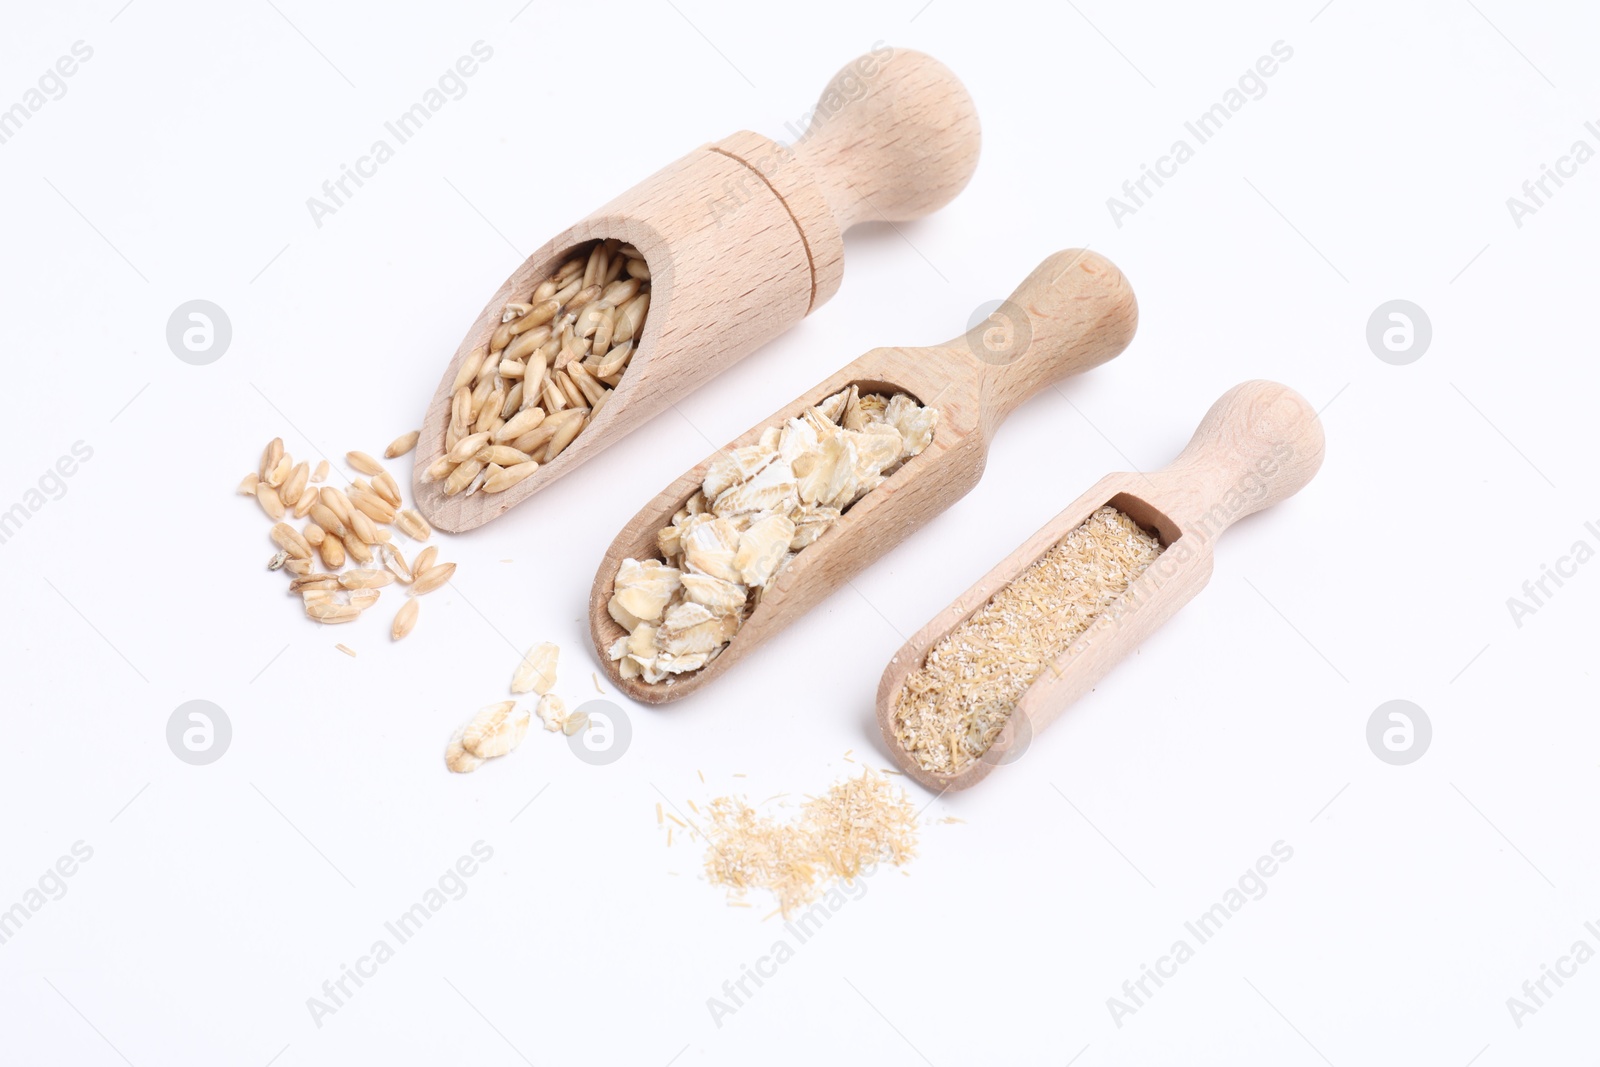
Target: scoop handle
x=893 y=137
x=1075 y=311
x=1260 y=443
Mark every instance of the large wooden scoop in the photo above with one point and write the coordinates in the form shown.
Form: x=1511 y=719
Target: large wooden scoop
x=1259 y=444
x=743 y=239
x=1075 y=311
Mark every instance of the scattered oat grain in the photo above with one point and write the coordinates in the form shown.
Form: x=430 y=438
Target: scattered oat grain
x=402 y=444
x=432 y=578
x=405 y=620
x=363 y=463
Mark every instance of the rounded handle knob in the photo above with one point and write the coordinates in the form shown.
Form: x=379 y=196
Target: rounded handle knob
x=893 y=137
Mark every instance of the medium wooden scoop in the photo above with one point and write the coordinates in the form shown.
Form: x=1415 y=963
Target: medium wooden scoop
x=743 y=239
x=1259 y=444
x=1075 y=311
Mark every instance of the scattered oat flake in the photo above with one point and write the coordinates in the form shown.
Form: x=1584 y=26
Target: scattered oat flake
x=496 y=729
x=659 y=820
x=552 y=712
x=346 y=650
x=536 y=673
x=677 y=820
x=702 y=775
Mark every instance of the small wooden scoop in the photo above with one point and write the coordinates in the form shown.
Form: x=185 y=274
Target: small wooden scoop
x=1075 y=311
x=1259 y=444
x=743 y=239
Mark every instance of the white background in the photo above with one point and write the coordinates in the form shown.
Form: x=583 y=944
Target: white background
x=220 y=898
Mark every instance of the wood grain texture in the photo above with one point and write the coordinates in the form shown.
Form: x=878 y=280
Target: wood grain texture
x=1260 y=443
x=744 y=238
x=1074 y=312
x=891 y=139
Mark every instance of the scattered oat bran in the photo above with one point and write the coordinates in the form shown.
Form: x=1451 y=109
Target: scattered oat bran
x=858 y=823
x=347 y=650
x=953 y=707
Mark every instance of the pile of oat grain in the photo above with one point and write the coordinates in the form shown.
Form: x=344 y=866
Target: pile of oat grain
x=344 y=527
x=953 y=707
x=519 y=400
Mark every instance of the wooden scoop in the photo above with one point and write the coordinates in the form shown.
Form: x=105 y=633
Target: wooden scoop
x=1259 y=444
x=1075 y=311
x=743 y=239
